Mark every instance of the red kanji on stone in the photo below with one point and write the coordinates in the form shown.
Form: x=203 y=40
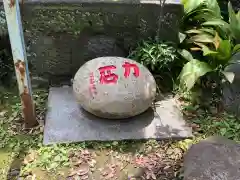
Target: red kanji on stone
x=92 y=87
x=106 y=75
x=127 y=66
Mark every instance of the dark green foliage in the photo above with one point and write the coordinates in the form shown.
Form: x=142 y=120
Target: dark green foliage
x=210 y=37
x=6 y=62
x=160 y=58
x=6 y=67
x=224 y=8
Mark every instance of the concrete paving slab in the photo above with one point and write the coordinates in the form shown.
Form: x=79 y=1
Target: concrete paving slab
x=67 y=122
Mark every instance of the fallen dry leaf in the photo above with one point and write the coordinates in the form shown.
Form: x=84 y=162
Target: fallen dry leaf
x=84 y=177
x=110 y=172
x=77 y=163
x=109 y=176
x=82 y=172
x=73 y=173
x=92 y=163
x=30 y=157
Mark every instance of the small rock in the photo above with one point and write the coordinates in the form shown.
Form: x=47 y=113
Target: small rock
x=14 y=172
x=2 y=114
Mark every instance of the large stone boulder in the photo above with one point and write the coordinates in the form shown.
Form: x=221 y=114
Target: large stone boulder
x=114 y=87
x=215 y=158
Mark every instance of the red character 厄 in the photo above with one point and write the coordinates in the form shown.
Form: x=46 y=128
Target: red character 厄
x=107 y=76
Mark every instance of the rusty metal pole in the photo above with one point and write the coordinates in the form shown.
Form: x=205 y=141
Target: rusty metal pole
x=14 y=23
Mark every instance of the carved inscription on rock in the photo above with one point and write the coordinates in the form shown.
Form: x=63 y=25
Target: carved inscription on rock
x=114 y=87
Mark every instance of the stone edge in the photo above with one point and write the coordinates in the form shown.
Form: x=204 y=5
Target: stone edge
x=177 y=2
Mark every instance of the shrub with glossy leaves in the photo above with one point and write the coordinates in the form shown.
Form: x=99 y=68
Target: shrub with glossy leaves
x=206 y=33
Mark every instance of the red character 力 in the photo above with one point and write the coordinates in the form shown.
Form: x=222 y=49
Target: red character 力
x=127 y=66
x=107 y=76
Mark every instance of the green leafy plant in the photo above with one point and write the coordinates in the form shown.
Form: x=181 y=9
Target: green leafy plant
x=162 y=59
x=223 y=125
x=209 y=39
x=50 y=158
x=202 y=20
x=230 y=29
x=208 y=123
x=197 y=11
x=217 y=58
x=156 y=56
x=197 y=26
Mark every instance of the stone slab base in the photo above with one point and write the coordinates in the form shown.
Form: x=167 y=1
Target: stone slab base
x=67 y=122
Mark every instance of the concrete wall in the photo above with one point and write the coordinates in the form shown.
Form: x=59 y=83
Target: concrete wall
x=61 y=36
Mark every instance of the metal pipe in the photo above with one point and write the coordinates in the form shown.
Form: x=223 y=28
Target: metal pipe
x=14 y=23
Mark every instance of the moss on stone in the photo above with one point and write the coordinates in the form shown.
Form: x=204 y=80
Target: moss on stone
x=3 y=22
x=63 y=19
